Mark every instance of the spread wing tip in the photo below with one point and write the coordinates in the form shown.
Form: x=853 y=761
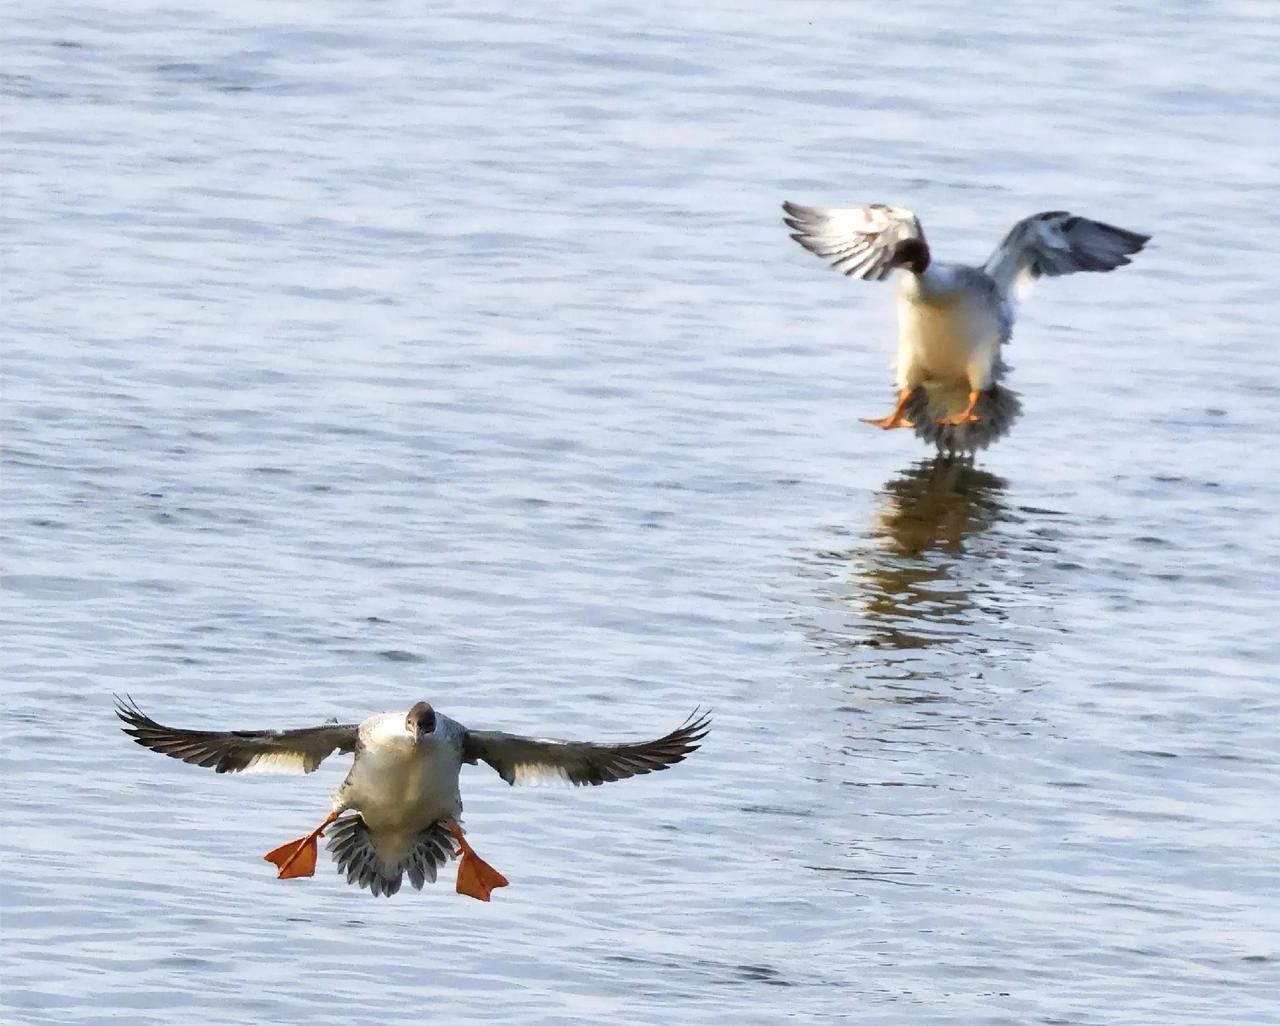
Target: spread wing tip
x=1130 y=242
x=803 y=219
x=696 y=727
x=686 y=738
x=128 y=711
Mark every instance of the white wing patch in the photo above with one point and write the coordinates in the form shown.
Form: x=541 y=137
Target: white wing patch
x=540 y=774
x=279 y=762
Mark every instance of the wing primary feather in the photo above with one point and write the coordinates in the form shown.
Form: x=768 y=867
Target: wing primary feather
x=524 y=760
x=1055 y=242
x=860 y=242
x=233 y=751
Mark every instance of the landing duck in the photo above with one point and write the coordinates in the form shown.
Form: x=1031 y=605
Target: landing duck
x=954 y=320
x=398 y=813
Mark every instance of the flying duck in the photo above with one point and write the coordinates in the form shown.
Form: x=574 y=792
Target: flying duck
x=402 y=789
x=954 y=319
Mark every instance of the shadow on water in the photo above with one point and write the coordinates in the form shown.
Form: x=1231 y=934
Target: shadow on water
x=930 y=591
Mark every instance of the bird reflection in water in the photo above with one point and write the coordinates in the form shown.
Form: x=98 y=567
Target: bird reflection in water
x=936 y=504
x=915 y=579
x=924 y=621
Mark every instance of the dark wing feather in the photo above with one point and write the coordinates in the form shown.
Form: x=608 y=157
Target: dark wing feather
x=862 y=242
x=521 y=760
x=232 y=751
x=1056 y=242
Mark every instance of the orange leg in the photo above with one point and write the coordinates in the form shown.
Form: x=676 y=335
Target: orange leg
x=476 y=878
x=968 y=416
x=298 y=858
x=895 y=419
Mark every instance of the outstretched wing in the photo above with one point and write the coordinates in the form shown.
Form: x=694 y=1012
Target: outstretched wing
x=862 y=242
x=233 y=751
x=527 y=760
x=1056 y=242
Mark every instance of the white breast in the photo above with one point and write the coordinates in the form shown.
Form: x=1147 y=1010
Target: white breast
x=397 y=784
x=945 y=332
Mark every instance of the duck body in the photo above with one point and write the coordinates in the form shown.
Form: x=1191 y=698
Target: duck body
x=954 y=320
x=952 y=323
x=402 y=783
x=398 y=813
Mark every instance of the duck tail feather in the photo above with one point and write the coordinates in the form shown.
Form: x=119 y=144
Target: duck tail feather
x=351 y=845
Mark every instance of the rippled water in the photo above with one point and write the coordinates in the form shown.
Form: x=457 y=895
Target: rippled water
x=355 y=354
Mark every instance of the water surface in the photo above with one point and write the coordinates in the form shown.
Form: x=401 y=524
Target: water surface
x=356 y=354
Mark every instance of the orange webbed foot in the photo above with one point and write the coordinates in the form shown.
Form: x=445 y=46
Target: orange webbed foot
x=295 y=859
x=894 y=420
x=967 y=416
x=298 y=858
x=476 y=878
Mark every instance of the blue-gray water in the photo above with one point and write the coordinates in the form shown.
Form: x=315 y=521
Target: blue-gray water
x=356 y=353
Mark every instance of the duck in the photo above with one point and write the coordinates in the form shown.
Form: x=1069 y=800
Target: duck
x=398 y=813
x=954 y=320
